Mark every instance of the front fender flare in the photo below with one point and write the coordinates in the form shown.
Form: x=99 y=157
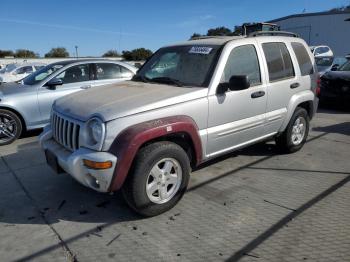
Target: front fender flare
x=129 y=141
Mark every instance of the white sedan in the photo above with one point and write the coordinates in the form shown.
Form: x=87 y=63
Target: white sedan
x=16 y=72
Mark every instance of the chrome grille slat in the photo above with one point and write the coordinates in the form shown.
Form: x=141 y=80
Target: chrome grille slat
x=65 y=131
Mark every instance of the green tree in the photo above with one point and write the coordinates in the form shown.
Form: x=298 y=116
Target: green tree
x=24 y=53
x=57 y=52
x=111 y=53
x=137 y=54
x=4 y=53
x=219 y=31
x=195 y=35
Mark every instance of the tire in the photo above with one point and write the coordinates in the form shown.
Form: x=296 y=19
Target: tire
x=153 y=201
x=10 y=127
x=288 y=143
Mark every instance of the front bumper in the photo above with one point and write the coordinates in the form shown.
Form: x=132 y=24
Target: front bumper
x=72 y=163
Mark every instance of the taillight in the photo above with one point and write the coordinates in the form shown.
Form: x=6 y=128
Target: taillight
x=318 y=86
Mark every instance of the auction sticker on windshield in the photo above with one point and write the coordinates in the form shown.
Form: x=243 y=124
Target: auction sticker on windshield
x=203 y=50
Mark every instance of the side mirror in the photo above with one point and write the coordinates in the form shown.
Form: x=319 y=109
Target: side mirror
x=239 y=82
x=334 y=67
x=236 y=83
x=53 y=83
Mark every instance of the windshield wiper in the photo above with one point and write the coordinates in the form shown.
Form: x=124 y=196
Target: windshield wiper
x=140 y=78
x=167 y=80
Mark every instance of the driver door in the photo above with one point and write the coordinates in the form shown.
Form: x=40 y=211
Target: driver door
x=75 y=78
x=237 y=117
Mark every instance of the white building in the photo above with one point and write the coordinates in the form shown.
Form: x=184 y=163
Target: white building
x=325 y=28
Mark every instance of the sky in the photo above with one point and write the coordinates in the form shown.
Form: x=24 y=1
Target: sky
x=98 y=26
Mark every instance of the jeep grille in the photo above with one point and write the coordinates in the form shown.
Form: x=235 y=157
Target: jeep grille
x=65 y=131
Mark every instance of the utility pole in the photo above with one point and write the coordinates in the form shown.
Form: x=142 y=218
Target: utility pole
x=76 y=51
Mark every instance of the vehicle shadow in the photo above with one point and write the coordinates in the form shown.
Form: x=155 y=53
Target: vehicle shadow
x=341 y=128
x=50 y=198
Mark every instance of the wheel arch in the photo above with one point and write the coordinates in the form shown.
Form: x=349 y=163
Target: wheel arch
x=305 y=100
x=17 y=113
x=181 y=130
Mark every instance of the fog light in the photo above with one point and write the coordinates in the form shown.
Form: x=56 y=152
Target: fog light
x=97 y=165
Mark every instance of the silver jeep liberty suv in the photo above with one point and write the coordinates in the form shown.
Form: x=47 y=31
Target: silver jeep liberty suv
x=189 y=103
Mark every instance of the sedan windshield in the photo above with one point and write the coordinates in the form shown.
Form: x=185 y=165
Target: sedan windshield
x=345 y=67
x=180 y=66
x=41 y=74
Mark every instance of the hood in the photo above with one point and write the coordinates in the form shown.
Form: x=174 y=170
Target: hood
x=13 y=88
x=337 y=75
x=118 y=100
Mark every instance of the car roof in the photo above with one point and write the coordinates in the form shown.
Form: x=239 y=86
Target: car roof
x=222 y=40
x=94 y=60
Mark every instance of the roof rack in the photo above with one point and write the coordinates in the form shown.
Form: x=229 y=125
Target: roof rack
x=272 y=33
x=214 y=36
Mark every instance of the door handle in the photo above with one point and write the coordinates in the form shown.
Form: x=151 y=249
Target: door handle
x=294 y=85
x=257 y=94
x=85 y=87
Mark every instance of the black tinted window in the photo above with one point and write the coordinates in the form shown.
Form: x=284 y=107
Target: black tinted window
x=303 y=58
x=108 y=71
x=278 y=60
x=243 y=60
x=78 y=73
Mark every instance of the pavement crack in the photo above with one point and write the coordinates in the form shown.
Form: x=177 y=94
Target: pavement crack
x=279 y=205
x=69 y=254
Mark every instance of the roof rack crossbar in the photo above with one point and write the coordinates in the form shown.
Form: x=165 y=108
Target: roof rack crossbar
x=273 y=33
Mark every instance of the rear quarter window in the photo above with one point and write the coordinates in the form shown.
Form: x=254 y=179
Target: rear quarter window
x=278 y=60
x=304 y=61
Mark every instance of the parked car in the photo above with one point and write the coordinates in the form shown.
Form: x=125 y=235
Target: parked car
x=321 y=51
x=15 y=72
x=27 y=106
x=325 y=64
x=335 y=85
x=219 y=94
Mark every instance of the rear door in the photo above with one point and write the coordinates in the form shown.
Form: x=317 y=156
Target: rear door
x=108 y=73
x=75 y=78
x=283 y=82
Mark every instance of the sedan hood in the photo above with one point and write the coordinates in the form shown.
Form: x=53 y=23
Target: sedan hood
x=119 y=100
x=337 y=75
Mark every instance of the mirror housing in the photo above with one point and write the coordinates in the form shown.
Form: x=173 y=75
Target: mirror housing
x=53 y=83
x=334 y=67
x=236 y=83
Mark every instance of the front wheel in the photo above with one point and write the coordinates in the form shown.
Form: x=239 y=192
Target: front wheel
x=10 y=127
x=295 y=135
x=158 y=179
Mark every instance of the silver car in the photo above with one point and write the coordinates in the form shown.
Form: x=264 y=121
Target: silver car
x=27 y=105
x=189 y=103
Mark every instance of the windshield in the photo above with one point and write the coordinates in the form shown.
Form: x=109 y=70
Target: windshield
x=345 y=67
x=180 y=65
x=41 y=74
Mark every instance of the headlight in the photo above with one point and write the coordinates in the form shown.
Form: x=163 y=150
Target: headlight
x=95 y=131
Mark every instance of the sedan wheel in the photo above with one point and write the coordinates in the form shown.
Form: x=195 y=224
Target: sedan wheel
x=10 y=127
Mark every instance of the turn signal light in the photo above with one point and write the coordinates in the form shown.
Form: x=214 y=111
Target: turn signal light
x=97 y=165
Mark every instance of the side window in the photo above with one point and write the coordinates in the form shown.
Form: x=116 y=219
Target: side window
x=303 y=58
x=74 y=74
x=108 y=71
x=278 y=59
x=24 y=69
x=243 y=60
x=126 y=73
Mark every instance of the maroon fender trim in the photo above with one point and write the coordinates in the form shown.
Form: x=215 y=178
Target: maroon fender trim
x=128 y=142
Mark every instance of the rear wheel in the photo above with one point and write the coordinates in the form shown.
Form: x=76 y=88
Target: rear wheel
x=10 y=127
x=295 y=135
x=158 y=179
